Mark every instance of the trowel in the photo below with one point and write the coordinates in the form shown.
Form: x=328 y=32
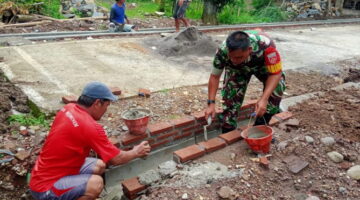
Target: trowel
x=209 y=120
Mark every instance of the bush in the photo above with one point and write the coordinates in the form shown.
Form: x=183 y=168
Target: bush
x=271 y=14
x=259 y=4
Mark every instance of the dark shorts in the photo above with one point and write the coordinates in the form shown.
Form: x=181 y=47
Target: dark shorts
x=179 y=11
x=69 y=187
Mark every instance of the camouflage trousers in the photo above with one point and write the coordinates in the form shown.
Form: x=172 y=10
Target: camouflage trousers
x=234 y=89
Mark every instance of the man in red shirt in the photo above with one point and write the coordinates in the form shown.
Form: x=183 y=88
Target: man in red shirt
x=63 y=170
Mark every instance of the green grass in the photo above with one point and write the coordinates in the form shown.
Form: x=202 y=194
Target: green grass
x=230 y=15
x=142 y=7
x=194 y=10
x=29 y=120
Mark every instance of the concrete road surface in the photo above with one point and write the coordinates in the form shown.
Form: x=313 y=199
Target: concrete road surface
x=47 y=71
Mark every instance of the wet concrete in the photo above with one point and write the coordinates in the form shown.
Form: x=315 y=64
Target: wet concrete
x=116 y=174
x=47 y=71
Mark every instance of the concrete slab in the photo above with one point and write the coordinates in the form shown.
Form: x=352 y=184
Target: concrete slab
x=48 y=71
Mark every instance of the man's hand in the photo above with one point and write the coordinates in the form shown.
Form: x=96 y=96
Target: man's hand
x=210 y=111
x=260 y=107
x=143 y=149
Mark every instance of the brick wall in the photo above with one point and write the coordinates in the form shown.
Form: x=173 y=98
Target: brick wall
x=166 y=133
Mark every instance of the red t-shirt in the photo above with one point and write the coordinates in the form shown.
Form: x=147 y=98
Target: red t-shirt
x=72 y=135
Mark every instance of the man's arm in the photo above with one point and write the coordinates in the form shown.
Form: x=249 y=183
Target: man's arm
x=270 y=85
x=127 y=19
x=141 y=150
x=213 y=86
x=112 y=16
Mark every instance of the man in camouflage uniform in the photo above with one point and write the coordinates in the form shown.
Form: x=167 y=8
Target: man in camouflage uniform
x=243 y=54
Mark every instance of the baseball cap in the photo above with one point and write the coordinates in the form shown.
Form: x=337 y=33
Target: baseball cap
x=98 y=90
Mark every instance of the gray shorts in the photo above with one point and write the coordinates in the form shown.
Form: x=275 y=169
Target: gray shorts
x=180 y=11
x=69 y=187
x=121 y=28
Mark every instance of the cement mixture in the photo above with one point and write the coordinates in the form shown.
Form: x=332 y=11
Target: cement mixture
x=187 y=42
x=135 y=113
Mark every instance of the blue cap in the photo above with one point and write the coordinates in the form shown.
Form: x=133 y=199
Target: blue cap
x=98 y=90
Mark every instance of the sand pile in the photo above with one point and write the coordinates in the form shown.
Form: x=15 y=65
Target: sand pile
x=187 y=42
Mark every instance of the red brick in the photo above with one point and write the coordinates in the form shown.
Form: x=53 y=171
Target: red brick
x=144 y=92
x=150 y=140
x=183 y=121
x=167 y=135
x=213 y=144
x=191 y=128
x=159 y=127
x=69 y=99
x=132 y=186
x=264 y=162
x=115 y=141
x=199 y=115
x=153 y=146
x=249 y=104
x=115 y=90
x=242 y=117
x=188 y=153
x=231 y=137
x=129 y=138
x=284 y=115
x=199 y=131
x=183 y=135
x=273 y=121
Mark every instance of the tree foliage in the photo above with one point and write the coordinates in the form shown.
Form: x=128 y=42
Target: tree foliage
x=221 y=3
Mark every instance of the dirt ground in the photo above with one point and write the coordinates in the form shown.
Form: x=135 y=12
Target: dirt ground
x=330 y=115
x=91 y=25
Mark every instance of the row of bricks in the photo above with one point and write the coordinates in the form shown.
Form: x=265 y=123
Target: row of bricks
x=164 y=133
x=132 y=186
x=195 y=151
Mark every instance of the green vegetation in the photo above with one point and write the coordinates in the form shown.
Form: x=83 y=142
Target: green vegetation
x=261 y=11
x=29 y=120
x=45 y=7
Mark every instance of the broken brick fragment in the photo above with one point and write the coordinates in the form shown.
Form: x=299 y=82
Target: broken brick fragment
x=144 y=93
x=264 y=162
x=115 y=90
x=22 y=155
x=69 y=99
x=132 y=187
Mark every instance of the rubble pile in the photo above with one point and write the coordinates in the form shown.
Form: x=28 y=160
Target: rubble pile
x=71 y=8
x=311 y=8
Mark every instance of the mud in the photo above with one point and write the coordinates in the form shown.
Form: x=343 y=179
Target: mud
x=11 y=98
x=187 y=42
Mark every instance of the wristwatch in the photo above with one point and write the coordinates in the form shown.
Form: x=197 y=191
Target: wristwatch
x=210 y=101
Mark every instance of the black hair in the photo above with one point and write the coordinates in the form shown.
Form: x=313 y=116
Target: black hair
x=88 y=101
x=238 y=40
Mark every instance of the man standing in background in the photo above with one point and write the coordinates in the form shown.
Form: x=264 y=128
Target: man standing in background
x=179 y=13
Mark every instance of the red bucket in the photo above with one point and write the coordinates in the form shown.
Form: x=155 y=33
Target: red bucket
x=136 y=125
x=258 y=138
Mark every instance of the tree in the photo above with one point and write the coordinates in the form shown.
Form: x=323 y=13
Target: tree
x=212 y=8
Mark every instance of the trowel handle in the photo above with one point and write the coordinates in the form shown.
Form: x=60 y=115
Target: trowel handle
x=209 y=120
